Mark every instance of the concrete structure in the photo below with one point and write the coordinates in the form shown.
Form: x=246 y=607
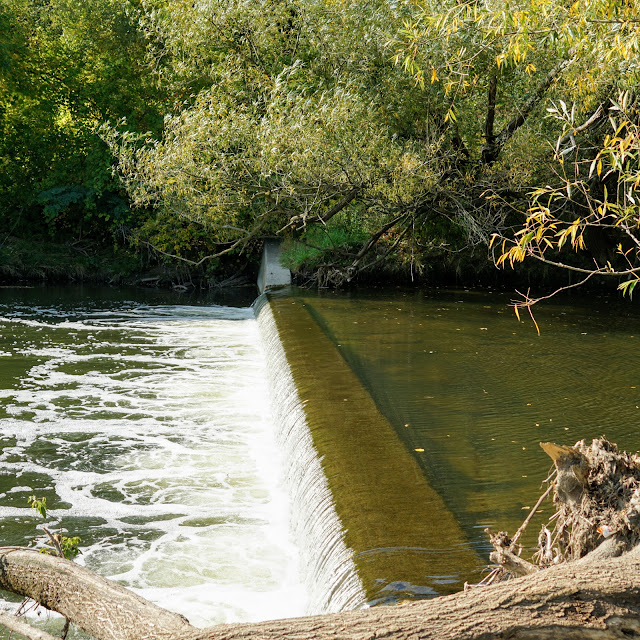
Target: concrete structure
x=272 y=274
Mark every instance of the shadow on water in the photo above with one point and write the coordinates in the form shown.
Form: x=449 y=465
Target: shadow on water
x=76 y=298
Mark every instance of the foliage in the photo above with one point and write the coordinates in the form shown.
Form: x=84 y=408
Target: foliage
x=298 y=113
x=66 y=66
x=45 y=260
x=515 y=54
x=300 y=116
x=262 y=173
x=313 y=247
x=178 y=239
x=597 y=191
x=423 y=127
x=39 y=504
x=57 y=544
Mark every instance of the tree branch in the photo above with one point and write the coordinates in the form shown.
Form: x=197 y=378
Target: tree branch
x=491 y=152
x=334 y=210
x=375 y=237
x=491 y=114
x=18 y=626
x=595 y=116
x=584 y=599
x=104 y=609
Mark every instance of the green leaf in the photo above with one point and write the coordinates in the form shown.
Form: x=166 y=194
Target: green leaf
x=627 y=287
x=39 y=504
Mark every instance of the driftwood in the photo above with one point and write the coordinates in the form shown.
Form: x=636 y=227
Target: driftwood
x=596 y=491
x=583 y=581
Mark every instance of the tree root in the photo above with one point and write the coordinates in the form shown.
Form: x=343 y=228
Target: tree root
x=596 y=491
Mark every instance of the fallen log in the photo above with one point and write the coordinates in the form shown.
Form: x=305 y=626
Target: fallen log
x=101 y=607
x=565 y=595
x=583 y=599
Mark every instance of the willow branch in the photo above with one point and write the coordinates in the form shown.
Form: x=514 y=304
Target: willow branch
x=196 y=263
x=598 y=113
x=590 y=272
x=334 y=210
x=375 y=237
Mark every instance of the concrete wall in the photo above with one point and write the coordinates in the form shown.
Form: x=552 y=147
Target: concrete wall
x=272 y=274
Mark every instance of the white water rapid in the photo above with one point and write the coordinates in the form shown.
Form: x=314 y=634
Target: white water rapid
x=148 y=429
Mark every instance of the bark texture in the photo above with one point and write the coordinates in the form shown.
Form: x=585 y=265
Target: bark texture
x=101 y=607
x=580 y=599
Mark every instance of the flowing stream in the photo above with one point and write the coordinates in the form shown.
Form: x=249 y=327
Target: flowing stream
x=147 y=428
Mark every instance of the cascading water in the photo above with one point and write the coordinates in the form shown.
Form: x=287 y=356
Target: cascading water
x=371 y=514
x=147 y=429
x=328 y=568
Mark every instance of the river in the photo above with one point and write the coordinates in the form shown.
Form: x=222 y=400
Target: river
x=471 y=391
x=145 y=423
x=143 y=418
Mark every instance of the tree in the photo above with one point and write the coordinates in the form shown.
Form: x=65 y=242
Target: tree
x=299 y=117
x=594 y=206
x=64 y=68
x=589 y=140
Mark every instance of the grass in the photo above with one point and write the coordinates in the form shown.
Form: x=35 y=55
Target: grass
x=317 y=245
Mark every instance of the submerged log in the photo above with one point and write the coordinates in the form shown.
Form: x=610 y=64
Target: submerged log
x=587 y=586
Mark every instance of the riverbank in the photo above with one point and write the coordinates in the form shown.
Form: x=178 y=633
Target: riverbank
x=44 y=262
x=88 y=262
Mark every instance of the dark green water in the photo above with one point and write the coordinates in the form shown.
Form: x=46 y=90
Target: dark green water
x=471 y=391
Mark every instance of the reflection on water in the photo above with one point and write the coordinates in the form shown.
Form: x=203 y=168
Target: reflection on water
x=146 y=427
x=471 y=392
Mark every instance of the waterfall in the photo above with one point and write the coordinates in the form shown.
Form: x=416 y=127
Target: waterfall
x=148 y=430
x=326 y=562
x=367 y=515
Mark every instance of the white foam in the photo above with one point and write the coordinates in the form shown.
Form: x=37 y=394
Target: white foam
x=329 y=572
x=153 y=424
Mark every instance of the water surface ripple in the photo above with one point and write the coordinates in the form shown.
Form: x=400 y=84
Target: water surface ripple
x=471 y=391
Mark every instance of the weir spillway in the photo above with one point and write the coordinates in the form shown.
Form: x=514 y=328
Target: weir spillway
x=372 y=528
x=146 y=425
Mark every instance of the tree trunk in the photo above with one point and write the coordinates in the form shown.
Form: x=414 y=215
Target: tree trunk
x=587 y=598
x=102 y=608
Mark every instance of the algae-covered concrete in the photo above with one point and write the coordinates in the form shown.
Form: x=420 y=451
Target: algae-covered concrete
x=405 y=540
